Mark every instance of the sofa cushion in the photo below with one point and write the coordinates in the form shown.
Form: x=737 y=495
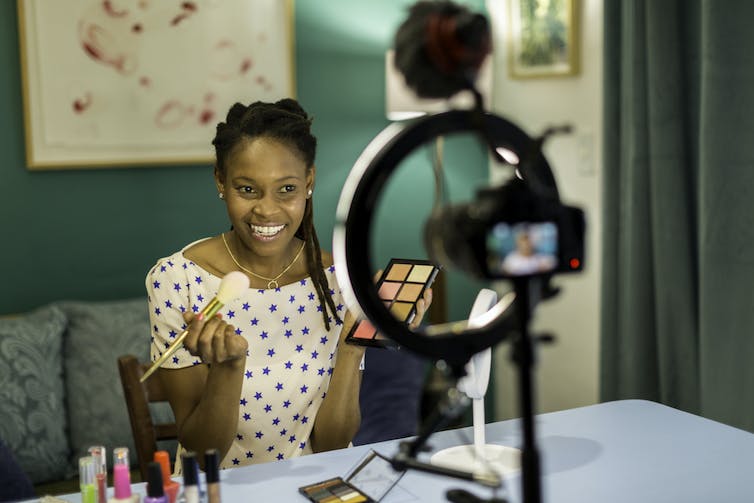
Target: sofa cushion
x=98 y=333
x=32 y=408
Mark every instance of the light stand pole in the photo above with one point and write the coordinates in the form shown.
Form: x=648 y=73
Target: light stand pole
x=522 y=354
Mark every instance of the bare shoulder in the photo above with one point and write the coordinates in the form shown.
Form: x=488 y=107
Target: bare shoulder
x=208 y=254
x=327 y=260
x=202 y=250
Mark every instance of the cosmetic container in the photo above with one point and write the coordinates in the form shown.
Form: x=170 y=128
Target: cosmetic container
x=99 y=455
x=86 y=480
x=155 y=489
x=122 y=478
x=170 y=486
x=212 y=472
x=191 y=492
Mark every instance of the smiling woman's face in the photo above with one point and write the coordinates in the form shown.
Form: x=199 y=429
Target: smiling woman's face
x=266 y=187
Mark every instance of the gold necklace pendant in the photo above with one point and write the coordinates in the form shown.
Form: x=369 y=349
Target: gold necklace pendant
x=272 y=283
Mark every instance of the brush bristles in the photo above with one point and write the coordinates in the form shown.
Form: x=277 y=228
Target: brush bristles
x=232 y=286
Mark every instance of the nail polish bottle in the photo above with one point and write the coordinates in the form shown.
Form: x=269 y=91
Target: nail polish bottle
x=191 y=492
x=155 y=489
x=202 y=488
x=212 y=472
x=98 y=453
x=86 y=480
x=122 y=478
x=171 y=487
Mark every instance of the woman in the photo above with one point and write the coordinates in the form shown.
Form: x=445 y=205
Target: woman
x=269 y=378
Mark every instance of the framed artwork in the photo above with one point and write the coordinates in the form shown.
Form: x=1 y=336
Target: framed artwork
x=144 y=82
x=543 y=38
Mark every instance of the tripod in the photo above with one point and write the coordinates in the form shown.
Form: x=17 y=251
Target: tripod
x=455 y=402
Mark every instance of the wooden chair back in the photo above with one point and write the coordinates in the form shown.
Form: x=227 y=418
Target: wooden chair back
x=138 y=397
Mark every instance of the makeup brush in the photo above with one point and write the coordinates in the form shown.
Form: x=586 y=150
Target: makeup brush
x=232 y=286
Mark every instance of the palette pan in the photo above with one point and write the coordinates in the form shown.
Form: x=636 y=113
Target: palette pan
x=400 y=286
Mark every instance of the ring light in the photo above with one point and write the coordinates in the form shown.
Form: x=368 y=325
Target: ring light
x=453 y=342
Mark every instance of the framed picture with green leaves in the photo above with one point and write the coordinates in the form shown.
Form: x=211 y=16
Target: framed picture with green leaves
x=543 y=38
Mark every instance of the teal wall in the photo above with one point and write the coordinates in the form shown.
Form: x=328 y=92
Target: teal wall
x=92 y=233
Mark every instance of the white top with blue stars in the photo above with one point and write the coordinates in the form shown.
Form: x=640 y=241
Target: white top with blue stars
x=290 y=359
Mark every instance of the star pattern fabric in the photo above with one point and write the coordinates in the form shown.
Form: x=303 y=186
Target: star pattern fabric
x=289 y=363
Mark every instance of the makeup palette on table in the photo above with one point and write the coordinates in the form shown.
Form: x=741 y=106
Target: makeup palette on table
x=334 y=490
x=400 y=286
x=368 y=482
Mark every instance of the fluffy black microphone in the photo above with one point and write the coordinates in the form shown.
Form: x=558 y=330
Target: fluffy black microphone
x=440 y=47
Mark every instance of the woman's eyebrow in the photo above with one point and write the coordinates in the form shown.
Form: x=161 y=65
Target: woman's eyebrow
x=277 y=180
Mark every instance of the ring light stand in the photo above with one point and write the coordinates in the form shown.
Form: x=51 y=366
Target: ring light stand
x=453 y=343
x=480 y=456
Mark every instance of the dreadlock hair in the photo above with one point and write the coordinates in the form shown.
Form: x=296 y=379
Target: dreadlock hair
x=287 y=122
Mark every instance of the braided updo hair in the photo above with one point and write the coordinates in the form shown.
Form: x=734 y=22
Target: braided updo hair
x=286 y=122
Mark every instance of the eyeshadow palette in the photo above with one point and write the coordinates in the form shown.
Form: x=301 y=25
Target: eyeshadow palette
x=400 y=286
x=334 y=490
x=369 y=481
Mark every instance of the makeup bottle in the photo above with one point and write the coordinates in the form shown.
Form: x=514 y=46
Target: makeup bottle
x=202 y=489
x=170 y=486
x=98 y=453
x=191 y=493
x=155 y=490
x=122 y=478
x=212 y=472
x=86 y=479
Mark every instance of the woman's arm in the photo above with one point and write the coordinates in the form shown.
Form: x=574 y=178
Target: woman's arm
x=205 y=398
x=339 y=416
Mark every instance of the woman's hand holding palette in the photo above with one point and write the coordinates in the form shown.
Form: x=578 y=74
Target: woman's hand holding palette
x=400 y=287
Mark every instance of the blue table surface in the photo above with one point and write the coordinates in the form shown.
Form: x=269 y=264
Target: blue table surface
x=626 y=451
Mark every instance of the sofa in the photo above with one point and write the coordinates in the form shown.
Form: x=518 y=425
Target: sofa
x=60 y=389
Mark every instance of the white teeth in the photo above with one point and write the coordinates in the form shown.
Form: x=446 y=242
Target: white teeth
x=267 y=230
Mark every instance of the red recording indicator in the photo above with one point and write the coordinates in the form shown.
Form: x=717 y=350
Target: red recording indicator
x=574 y=263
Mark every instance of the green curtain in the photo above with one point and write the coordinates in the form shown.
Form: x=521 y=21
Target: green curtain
x=678 y=320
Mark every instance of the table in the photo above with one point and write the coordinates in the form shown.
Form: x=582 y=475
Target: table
x=625 y=451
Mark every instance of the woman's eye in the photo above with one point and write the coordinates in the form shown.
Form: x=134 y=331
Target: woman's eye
x=288 y=188
x=247 y=190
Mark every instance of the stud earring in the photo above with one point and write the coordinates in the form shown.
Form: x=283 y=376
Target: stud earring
x=309 y=194
x=221 y=195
